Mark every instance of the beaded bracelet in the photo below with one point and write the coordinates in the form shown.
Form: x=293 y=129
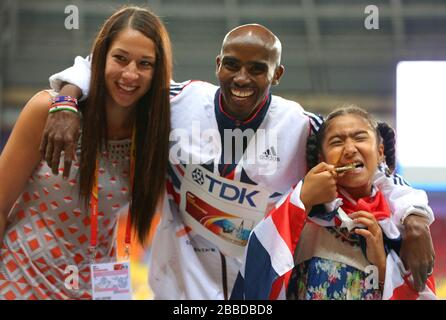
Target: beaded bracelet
x=59 y=99
x=63 y=108
x=66 y=103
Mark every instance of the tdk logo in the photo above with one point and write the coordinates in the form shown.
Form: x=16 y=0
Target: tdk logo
x=232 y=193
x=270 y=154
x=226 y=191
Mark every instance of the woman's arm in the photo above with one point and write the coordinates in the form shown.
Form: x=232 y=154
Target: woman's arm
x=21 y=154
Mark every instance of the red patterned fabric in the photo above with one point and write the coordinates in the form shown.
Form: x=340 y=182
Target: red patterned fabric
x=48 y=230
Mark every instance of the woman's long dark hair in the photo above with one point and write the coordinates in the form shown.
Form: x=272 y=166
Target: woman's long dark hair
x=384 y=134
x=152 y=122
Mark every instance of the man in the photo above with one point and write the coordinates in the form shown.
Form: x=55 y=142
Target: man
x=215 y=197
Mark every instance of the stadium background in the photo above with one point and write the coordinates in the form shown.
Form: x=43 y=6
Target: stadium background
x=330 y=58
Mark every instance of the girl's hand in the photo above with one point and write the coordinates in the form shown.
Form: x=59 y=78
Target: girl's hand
x=319 y=186
x=374 y=240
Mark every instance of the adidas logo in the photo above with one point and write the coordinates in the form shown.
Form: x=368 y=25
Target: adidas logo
x=270 y=154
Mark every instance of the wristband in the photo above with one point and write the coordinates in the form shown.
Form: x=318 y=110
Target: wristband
x=63 y=104
x=63 y=108
x=59 y=99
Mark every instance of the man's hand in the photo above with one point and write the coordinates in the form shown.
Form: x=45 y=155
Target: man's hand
x=61 y=132
x=417 y=250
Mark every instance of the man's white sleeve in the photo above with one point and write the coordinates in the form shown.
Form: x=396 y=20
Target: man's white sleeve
x=402 y=198
x=78 y=74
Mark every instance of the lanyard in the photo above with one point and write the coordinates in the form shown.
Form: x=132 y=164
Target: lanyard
x=94 y=206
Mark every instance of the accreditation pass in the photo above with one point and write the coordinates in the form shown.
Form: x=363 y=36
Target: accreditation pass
x=111 y=281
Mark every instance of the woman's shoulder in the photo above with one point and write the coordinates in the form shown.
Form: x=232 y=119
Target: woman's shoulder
x=39 y=104
x=42 y=98
x=35 y=112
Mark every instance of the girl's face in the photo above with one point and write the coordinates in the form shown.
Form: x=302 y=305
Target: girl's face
x=129 y=67
x=349 y=138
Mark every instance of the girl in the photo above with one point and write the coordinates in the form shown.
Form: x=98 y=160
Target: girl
x=333 y=261
x=344 y=248
x=51 y=227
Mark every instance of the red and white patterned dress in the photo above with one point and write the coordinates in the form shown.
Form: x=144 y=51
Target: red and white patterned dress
x=48 y=229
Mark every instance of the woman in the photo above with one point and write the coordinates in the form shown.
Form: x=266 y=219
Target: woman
x=51 y=226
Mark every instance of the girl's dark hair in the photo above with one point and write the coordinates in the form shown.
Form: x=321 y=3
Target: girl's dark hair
x=384 y=133
x=152 y=120
x=388 y=140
